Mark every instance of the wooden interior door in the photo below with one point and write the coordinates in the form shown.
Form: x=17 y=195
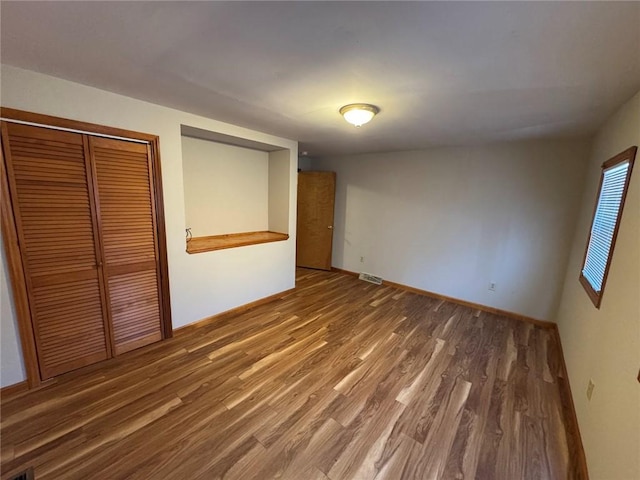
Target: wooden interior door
x=49 y=177
x=316 y=198
x=126 y=205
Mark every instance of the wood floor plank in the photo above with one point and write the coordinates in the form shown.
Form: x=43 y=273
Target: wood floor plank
x=360 y=458
x=337 y=380
x=465 y=453
x=393 y=467
x=428 y=460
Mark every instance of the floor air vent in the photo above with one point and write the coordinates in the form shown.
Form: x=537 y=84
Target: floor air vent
x=367 y=277
x=26 y=475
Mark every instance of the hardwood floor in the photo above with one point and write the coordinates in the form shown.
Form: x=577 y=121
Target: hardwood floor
x=339 y=379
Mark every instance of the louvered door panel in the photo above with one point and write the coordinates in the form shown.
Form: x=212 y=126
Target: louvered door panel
x=128 y=230
x=49 y=186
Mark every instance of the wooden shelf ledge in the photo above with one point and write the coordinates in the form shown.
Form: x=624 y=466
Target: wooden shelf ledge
x=232 y=240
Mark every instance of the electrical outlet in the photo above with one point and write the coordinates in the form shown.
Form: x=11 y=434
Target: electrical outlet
x=590 y=388
x=492 y=286
x=361 y=259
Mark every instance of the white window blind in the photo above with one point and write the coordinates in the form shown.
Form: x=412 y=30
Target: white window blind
x=604 y=224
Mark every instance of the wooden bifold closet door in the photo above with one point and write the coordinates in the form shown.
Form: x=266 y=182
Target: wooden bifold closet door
x=85 y=218
x=127 y=224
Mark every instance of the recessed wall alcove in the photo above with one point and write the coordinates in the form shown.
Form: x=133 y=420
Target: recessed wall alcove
x=236 y=191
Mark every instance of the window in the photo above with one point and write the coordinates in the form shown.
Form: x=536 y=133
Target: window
x=614 y=183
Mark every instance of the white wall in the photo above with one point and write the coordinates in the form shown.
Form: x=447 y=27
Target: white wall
x=452 y=220
x=203 y=284
x=604 y=344
x=278 y=193
x=226 y=188
x=12 y=368
x=305 y=163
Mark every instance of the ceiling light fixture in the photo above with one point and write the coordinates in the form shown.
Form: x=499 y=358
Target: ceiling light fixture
x=359 y=113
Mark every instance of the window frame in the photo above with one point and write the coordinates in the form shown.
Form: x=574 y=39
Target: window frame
x=628 y=155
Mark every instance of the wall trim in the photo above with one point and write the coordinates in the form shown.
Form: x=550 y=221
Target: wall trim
x=17 y=278
x=240 y=309
x=574 y=439
x=69 y=124
x=464 y=303
x=15 y=389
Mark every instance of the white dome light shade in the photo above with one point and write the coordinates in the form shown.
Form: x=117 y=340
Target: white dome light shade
x=359 y=113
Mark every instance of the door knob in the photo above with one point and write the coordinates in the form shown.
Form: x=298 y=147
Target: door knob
x=330 y=227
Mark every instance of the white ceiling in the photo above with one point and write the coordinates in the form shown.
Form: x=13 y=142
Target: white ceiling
x=443 y=73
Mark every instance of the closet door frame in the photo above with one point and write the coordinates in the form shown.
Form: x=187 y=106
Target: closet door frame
x=10 y=232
